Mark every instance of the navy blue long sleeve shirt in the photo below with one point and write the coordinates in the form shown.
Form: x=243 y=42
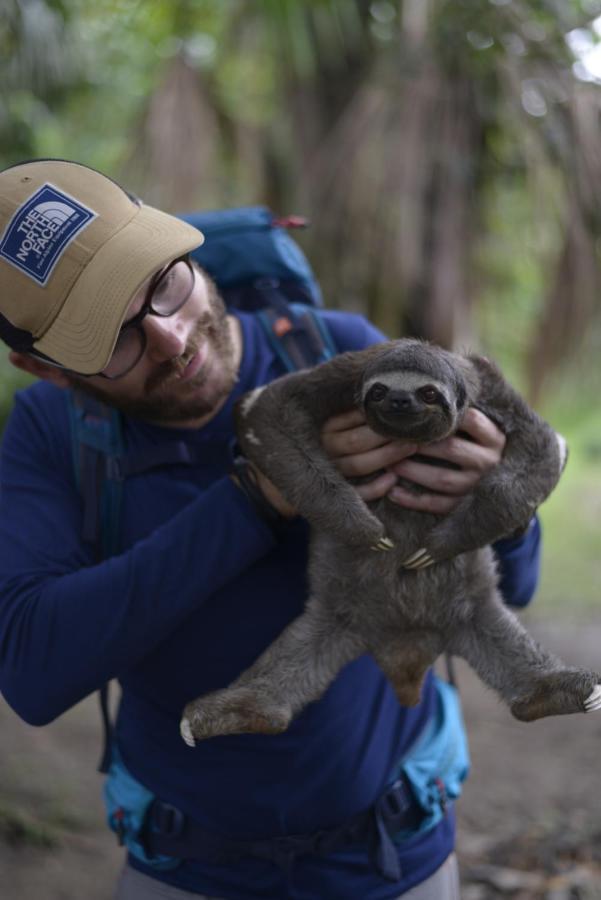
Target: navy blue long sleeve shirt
x=200 y=588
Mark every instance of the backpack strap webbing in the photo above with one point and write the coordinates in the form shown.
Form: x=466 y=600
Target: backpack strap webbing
x=97 y=445
x=297 y=334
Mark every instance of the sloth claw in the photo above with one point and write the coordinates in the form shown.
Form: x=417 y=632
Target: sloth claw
x=186 y=732
x=383 y=544
x=593 y=701
x=419 y=560
x=414 y=557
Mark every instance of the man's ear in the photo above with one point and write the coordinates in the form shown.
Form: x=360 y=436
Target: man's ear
x=39 y=369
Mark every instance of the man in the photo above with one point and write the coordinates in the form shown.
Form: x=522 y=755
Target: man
x=96 y=293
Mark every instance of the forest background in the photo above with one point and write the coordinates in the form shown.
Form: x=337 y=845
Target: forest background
x=446 y=152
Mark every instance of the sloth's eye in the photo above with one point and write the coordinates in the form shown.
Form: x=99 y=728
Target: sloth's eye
x=377 y=392
x=428 y=394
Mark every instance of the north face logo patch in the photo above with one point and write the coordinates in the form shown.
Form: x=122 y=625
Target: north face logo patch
x=41 y=229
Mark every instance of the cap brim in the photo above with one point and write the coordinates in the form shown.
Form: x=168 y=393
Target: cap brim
x=84 y=333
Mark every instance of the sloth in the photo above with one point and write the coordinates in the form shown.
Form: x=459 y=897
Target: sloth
x=401 y=585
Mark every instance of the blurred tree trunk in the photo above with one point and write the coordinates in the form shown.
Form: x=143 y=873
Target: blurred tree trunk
x=570 y=305
x=177 y=140
x=385 y=123
x=388 y=178
x=38 y=67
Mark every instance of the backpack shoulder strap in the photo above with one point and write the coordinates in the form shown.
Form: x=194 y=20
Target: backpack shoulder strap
x=297 y=333
x=97 y=446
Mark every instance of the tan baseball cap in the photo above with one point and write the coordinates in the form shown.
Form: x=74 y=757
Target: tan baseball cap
x=74 y=250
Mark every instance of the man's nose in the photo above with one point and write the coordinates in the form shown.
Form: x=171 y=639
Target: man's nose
x=166 y=337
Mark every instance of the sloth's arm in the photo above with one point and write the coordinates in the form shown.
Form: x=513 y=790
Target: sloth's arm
x=279 y=429
x=505 y=499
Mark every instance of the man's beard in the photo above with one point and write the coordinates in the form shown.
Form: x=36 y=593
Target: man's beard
x=164 y=397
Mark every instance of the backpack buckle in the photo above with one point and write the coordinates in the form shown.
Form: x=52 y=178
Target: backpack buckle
x=442 y=795
x=397 y=807
x=166 y=819
x=119 y=825
x=284 y=850
x=114 y=468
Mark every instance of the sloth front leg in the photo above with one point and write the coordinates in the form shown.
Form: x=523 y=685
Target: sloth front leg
x=474 y=523
x=285 y=446
x=293 y=671
x=532 y=681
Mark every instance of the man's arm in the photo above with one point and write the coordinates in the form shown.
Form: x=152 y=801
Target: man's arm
x=67 y=625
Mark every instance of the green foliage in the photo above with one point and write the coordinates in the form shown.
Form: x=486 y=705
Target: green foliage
x=11 y=379
x=21 y=830
x=571 y=518
x=39 y=65
x=510 y=272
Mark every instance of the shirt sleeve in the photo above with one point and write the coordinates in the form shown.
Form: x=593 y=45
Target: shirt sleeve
x=351 y=331
x=68 y=625
x=519 y=565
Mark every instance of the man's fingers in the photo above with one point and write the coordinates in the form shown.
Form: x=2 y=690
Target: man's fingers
x=377 y=488
x=272 y=494
x=466 y=455
x=350 y=443
x=482 y=429
x=344 y=421
x=366 y=463
x=437 y=478
x=360 y=439
x=481 y=451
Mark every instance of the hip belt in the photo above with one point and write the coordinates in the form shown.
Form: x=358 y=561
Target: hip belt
x=425 y=780
x=167 y=832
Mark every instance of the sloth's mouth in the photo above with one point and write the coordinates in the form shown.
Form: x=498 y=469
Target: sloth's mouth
x=423 y=426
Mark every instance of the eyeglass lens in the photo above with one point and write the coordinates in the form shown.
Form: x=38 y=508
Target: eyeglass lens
x=167 y=295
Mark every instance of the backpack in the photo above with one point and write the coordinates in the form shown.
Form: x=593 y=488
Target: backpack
x=257 y=267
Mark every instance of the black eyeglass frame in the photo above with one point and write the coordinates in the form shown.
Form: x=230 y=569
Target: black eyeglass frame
x=136 y=321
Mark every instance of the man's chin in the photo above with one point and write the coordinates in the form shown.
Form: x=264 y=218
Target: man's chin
x=182 y=401
x=198 y=403
x=173 y=403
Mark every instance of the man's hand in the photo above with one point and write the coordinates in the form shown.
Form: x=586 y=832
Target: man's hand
x=357 y=450
x=273 y=495
x=475 y=455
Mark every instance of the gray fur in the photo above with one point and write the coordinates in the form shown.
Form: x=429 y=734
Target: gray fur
x=364 y=601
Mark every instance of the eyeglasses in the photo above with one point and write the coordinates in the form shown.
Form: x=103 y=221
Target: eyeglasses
x=167 y=292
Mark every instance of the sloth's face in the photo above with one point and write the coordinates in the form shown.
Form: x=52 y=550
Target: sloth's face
x=409 y=404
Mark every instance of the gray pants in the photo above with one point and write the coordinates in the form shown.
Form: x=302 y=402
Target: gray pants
x=443 y=885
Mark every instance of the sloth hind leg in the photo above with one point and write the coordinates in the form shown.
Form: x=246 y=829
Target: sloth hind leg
x=293 y=671
x=405 y=660
x=532 y=681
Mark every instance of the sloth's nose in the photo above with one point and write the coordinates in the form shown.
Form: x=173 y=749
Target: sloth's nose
x=401 y=402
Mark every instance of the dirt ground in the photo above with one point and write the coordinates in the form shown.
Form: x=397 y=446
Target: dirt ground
x=529 y=820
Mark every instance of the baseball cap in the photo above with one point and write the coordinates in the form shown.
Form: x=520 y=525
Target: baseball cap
x=75 y=248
